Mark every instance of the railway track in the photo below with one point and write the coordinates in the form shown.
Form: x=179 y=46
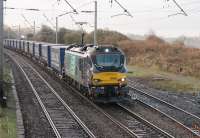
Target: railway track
x=138 y=125
x=139 y=133
x=160 y=119
x=122 y=126
x=184 y=117
x=129 y=131
x=64 y=122
x=121 y=129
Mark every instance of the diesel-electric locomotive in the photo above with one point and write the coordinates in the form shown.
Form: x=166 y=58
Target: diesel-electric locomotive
x=99 y=70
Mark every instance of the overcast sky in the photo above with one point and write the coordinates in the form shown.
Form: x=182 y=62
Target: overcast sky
x=148 y=15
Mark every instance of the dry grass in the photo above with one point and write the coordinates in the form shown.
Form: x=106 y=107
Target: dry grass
x=154 y=51
x=164 y=80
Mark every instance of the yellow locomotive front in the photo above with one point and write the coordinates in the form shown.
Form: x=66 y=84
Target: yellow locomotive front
x=108 y=79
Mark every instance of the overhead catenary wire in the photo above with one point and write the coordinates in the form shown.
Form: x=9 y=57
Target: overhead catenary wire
x=31 y=9
x=150 y=10
x=32 y=27
x=183 y=12
x=13 y=8
x=25 y=19
x=125 y=10
x=48 y=20
x=85 y=4
x=82 y=5
x=157 y=19
x=73 y=20
x=185 y=3
x=74 y=10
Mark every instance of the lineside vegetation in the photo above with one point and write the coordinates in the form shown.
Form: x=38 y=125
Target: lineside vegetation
x=8 y=114
x=151 y=52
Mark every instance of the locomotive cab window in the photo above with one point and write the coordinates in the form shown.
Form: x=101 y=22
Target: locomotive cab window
x=108 y=62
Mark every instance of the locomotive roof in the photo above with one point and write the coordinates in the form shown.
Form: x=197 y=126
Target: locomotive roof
x=59 y=46
x=53 y=45
x=93 y=49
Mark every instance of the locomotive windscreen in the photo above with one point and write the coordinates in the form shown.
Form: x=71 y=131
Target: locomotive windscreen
x=108 y=62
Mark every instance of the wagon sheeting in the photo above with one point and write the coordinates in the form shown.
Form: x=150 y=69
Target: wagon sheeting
x=57 y=58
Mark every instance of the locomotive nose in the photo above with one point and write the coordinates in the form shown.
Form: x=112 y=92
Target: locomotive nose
x=109 y=78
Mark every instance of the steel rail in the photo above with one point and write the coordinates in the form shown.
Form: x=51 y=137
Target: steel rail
x=99 y=109
x=60 y=99
x=179 y=123
x=164 y=102
x=85 y=128
x=39 y=100
x=130 y=132
x=169 y=105
x=144 y=121
x=117 y=122
x=124 y=128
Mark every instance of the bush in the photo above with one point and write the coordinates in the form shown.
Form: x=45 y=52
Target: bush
x=154 y=51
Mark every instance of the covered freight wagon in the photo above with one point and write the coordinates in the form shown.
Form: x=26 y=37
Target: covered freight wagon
x=13 y=43
x=46 y=52
x=18 y=44
x=6 y=43
x=37 y=50
x=32 y=48
x=23 y=45
x=26 y=50
x=57 y=58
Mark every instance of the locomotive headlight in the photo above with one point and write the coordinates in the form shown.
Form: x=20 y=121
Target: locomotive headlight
x=96 y=80
x=123 y=79
x=106 y=50
x=122 y=82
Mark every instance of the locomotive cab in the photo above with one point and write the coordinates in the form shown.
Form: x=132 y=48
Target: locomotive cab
x=108 y=79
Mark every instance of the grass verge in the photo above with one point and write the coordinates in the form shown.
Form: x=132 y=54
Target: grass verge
x=164 y=80
x=8 y=115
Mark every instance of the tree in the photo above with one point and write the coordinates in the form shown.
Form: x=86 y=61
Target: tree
x=73 y=37
x=29 y=36
x=9 y=33
x=46 y=34
x=61 y=35
x=107 y=37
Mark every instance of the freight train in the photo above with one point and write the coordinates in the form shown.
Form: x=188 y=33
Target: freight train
x=99 y=72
